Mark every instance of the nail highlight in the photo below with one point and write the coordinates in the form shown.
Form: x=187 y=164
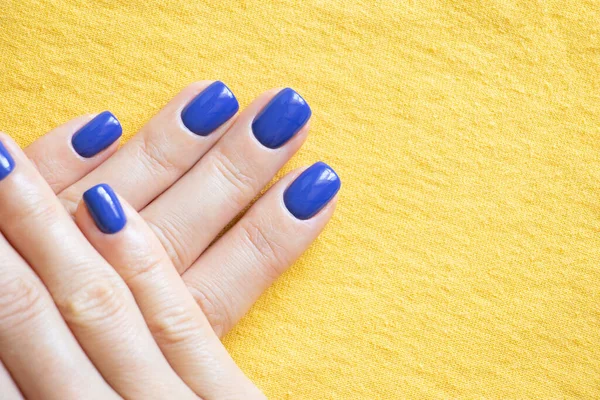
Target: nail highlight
x=281 y=119
x=97 y=135
x=105 y=208
x=311 y=191
x=7 y=164
x=214 y=106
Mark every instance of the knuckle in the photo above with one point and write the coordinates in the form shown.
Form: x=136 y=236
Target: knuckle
x=158 y=157
x=52 y=170
x=32 y=206
x=140 y=266
x=21 y=300
x=96 y=302
x=242 y=186
x=174 y=326
x=171 y=235
x=217 y=312
x=263 y=248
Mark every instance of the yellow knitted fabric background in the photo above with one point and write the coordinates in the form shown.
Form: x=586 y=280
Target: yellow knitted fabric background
x=464 y=257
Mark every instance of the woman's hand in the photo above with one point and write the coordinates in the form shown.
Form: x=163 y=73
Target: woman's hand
x=233 y=272
x=94 y=308
x=189 y=172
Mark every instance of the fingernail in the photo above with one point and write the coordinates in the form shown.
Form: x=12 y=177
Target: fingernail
x=311 y=191
x=281 y=119
x=210 y=109
x=97 y=135
x=7 y=164
x=105 y=208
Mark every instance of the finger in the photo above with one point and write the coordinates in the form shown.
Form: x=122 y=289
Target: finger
x=8 y=388
x=90 y=295
x=189 y=215
x=69 y=152
x=165 y=148
x=229 y=277
x=36 y=345
x=177 y=323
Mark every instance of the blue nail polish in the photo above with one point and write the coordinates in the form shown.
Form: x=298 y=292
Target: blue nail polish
x=210 y=109
x=7 y=164
x=105 y=208
x=97 y=135
x=281 y=119
x=311 y=191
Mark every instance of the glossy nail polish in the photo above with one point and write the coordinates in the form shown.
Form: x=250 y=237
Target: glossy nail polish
x=311 y=191
x=105 y=208
x=7 y=164
x=97 y=135
x=281 y=119
x=210 y=109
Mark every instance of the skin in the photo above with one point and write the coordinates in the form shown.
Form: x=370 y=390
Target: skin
x=155 y=322
x=175 y=179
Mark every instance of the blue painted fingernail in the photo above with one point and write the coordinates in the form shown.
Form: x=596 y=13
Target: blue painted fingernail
x=97 y=135
x=311 y=191
x=7 y=164
x=281 y=119
x=105 y=208
x=210 y=109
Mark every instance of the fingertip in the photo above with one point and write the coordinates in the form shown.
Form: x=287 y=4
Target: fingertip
x=282 y=118
x=208 y=110
x=96 y=135
x=105 y=208
x=58 y=154
x=308 y=192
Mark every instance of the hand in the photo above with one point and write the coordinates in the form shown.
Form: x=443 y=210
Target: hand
x=53 y=153
x=97 y=310
x=189 y=186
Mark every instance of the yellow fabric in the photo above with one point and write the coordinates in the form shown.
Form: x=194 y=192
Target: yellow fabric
x=464 y=257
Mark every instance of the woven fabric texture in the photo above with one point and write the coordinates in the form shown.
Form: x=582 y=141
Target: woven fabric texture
x=464 y=257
